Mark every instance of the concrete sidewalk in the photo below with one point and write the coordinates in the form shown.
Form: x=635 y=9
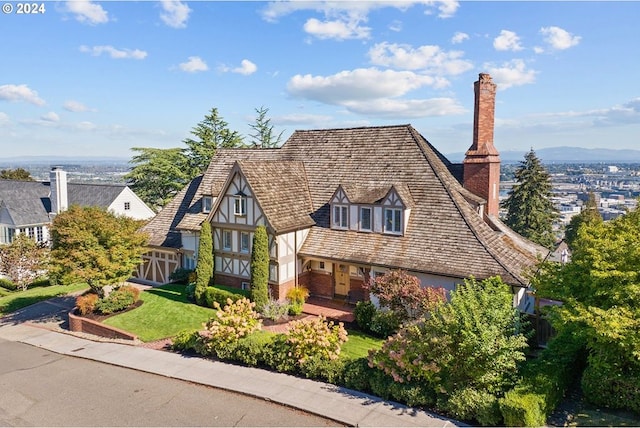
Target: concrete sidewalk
x=339 y=404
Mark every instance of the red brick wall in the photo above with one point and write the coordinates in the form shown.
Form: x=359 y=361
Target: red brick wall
x=85 y=325
x=320 y=284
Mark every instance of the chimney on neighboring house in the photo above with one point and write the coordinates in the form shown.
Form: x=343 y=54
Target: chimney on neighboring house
x=482 y=161
x=58 y=188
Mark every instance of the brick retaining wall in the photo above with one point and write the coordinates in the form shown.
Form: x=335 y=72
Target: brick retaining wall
x=85 y=325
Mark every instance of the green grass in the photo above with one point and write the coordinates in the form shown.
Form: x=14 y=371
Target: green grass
x=14 y=300
x=166 y=311
x=359 y=344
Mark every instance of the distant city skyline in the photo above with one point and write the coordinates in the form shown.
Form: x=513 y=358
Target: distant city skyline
x=83 y=78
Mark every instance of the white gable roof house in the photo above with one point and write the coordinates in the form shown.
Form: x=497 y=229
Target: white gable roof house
x=29 y=206
x=342 y=205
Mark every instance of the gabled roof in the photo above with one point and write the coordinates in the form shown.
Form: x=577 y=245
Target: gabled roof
x=93 y=195
x=375 y=193
x=282 y=192
x=445 y=234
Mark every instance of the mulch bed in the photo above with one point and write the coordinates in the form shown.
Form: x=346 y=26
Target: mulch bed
x=94 y=316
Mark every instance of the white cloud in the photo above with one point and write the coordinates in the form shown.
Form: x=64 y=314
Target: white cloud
x=301 y=118
x=88 y=12
x=559 y=39
x=4 y=118
x=76 y=106
x=398 y=109
x=50 y=117
x=194 y=65
x=507 y=41
x=246 y=68
x=459 y=37
x=428 y=58
x=360 y=84
x=113 y=52
x=513 y=73
x=176 y=13
x=339 y=29
x=20 y=93
x=85 y=126
x=395 y=26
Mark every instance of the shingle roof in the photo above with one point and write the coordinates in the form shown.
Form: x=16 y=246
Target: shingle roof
x=282 y=192
x=444 y=235
x=93 y=195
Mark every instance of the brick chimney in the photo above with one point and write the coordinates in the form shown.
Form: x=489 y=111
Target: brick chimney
x=58 y=189
x=482 y=160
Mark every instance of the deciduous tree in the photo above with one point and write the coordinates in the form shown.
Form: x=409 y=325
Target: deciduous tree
x=600 y=291
x=93 y=245
x=23 y=261
x=588 y=215
x=260 y=268
x=530 y=211
x=204 y=266
x=403 y=294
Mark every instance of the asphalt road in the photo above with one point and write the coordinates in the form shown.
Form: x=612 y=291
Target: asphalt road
x=41 y=388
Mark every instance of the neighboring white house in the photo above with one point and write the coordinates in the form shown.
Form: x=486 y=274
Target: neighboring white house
x=29 y=206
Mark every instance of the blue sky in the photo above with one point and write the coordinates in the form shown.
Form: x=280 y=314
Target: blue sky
x=98 y=78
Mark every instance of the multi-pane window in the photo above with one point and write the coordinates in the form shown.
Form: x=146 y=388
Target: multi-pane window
x=244 y=242
x=226 y=240
x=340 y=216
x=365 y=218
x=240 y=205
x=393 y=220
x=31 y=232
x=127 y=206
x=207 y=202
x=39 y=234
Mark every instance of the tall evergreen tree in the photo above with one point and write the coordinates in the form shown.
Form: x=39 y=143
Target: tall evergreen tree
x=157 y=174
x=204 y=266
x=260 y=268
x=210 y=134
x=589 y=215
x=264 y=137
x=530 y=211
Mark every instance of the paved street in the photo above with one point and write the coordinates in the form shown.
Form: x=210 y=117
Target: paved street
x=43 y=388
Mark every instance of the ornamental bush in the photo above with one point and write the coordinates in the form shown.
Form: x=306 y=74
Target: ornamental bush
x=260 y=268
x=204 y=265
x=296 y=297
x=218 y=295
x=315 y=338
x=118 y=300
x=230 y=324
x=86 y=303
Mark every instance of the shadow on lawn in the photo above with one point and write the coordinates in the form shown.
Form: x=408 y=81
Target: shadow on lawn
x=173 y=292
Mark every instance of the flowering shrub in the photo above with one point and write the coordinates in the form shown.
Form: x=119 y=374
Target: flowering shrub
x=231 y=323
x=402 y=294
x=315 y=338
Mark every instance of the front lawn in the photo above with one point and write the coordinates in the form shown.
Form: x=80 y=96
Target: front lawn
x=166 y=311
x=358 y=345
x=14 y=300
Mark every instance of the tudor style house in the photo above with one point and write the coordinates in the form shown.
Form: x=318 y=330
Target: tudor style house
x=342 y=205
x=29 y=206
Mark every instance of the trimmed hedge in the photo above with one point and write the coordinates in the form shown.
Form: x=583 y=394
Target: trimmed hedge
x=220 y=294
x=545 y=381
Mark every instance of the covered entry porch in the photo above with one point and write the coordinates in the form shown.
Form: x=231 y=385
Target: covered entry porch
x=334 y=281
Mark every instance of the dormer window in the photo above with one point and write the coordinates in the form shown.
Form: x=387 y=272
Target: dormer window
x=340 y=216
x=207 y=203
x=393 y=220
x=240 y=205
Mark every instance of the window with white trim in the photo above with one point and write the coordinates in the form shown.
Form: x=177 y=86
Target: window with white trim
x=39 y=234
x=226 y=240
x=240 y=205
x=244 y=242
x=340 y=216
x=365 y=219
x=207 y=202
x=393 y=220
x=127 y=206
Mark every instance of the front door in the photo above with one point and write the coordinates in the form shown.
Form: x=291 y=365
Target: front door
x=341 y=277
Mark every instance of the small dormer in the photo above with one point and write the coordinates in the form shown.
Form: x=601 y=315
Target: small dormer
x=207 y=203
x=371 y=208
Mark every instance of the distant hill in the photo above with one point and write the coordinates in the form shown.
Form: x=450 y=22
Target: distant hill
x=566 y=155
